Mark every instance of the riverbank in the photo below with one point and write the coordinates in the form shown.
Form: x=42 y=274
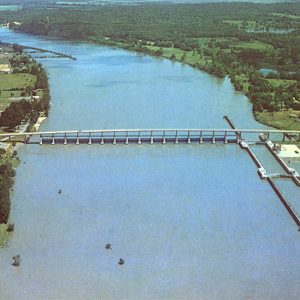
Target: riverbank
x=3 y=235
x=289 y=120
x=39 y=122
x=24 y=103
x=249 y=82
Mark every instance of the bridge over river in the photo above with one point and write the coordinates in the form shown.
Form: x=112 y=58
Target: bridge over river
x=150 y=136
x=242 y=137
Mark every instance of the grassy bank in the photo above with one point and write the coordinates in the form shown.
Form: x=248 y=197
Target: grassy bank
x=3 y=234
x=12 y=87
x=281 y=95
x=280 y=119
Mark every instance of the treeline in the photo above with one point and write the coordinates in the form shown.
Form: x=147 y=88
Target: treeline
x=6 y=182
x=178 y=26
x=148 y=22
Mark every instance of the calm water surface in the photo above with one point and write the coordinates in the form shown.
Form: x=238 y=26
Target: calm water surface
x=191 y=222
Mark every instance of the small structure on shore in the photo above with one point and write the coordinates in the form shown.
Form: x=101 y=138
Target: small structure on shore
x=121 y=261
x=16 y=260
x=289 y=151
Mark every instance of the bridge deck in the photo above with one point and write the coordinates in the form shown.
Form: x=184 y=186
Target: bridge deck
x=149 y=135
x=173 y=130
x=175 y=136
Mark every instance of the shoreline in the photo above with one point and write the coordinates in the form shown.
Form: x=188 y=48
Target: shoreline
x=9 y=157
x=39 y=122
x=255 y=114
x=4 y=234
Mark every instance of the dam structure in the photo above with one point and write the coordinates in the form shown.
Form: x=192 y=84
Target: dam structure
x=150 y=136
x=244 y=138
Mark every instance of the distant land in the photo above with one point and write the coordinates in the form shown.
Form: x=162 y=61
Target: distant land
x=10 y=2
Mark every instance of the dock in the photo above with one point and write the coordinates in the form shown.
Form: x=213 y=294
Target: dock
x=285 y=202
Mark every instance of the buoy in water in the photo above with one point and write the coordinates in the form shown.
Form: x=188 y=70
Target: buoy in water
x=108 y=246
x=16 y=260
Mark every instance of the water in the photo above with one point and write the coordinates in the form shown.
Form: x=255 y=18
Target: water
x=10 y=7
x=190 y=221
x=267 y=71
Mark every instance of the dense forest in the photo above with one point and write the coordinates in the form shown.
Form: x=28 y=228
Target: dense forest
x=234 y=39
x=6 y=182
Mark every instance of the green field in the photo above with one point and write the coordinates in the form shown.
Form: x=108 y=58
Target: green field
x=281 y=83
x=16 y=81
x=3 y=234
x=280 y=119
x=4 y=60
x=11 y=85
x=286 y=16
x=253 y=45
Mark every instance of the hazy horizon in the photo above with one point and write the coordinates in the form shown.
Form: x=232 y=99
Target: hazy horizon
x=11 y=2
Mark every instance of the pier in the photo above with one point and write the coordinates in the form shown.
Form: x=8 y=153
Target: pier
x=55 y=54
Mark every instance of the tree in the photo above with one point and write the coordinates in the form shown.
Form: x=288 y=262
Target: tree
x=294 y=56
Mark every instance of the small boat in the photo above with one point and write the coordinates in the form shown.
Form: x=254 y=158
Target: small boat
x=59 y=191
x=121 y=261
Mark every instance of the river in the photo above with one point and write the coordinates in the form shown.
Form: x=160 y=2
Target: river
x=191 y=222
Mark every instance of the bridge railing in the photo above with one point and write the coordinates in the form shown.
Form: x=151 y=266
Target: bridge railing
x=142 y=135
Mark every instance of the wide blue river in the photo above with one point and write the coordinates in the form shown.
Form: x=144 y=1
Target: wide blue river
x=190 y=221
